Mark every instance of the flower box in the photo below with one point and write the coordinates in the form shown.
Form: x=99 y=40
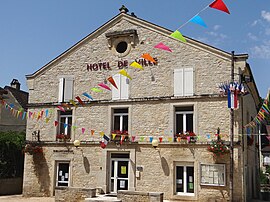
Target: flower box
x=62 y=138
x=188 y=137
x=33 y=149
x=218 y=148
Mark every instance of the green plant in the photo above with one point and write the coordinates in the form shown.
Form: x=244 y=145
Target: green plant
x=218 y=147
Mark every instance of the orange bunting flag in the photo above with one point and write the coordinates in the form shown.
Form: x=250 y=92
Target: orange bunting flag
x=178 y=139
x=219 y=5
x=79 y=100
x=92 y=132
x=122 y=139
x=61 y=109
x=113 y=136
x=111 y=80
x=66 y=105
x=56 y=123
x=148 y=57
x=73 y=103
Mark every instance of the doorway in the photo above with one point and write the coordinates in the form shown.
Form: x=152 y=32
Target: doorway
x=119 y=178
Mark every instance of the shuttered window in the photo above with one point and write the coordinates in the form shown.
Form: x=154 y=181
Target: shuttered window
x=65 y=89
x=183 y=82
x=122 y=83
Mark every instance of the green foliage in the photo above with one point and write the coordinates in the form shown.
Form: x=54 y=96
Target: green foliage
x=11 y=155
x=263 y=178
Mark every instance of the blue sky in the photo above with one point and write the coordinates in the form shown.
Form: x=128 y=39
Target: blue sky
x=33 y=32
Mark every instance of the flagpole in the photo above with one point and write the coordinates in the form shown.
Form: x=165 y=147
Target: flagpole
x=231 y=133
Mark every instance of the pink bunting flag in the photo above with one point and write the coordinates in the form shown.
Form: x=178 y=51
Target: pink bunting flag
x=103 y=85
x=188 y=138
x=61 y=109
x=133 y=138
x=162 y=47
x=83 y=130
x=219 y=5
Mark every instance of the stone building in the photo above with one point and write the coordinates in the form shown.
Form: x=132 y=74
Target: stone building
x=163 y=102
x=13 y=95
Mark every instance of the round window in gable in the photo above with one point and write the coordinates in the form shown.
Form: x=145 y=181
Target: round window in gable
x=121 y=47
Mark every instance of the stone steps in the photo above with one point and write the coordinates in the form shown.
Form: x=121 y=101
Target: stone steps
x=103 y=198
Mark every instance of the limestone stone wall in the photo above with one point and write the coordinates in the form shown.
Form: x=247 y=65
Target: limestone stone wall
x=73 y=194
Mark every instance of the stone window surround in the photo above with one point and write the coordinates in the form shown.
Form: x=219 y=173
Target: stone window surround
x=185 y=196
x=110 y=116
x=55 y=162
x=172 y=120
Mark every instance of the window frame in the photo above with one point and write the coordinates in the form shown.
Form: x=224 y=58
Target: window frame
x=67 y=117
x=184 y=165
x=57 y=173
x=184 y=113
x=121 y=114
x=183 y=81
x=224 y=174
x=63 y=91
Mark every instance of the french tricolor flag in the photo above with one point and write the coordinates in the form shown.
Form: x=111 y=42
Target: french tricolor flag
x=232 y=99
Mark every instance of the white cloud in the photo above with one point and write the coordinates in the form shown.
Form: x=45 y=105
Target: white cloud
x=252 y=37
x=265 y=15
x=216 y=27
x=254 y=23
x=261 y=51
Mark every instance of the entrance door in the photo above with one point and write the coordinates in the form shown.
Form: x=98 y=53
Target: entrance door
x=119 y=172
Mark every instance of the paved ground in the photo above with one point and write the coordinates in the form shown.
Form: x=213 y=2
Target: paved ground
x=20 y=198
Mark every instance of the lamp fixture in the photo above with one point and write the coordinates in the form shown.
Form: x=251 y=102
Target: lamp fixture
x=77 y=143
x=155 y=143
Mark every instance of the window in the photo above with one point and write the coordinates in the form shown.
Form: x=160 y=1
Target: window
x=213 y=174
x=183 y=82
x=184 y=180
x=65 y=89
x=122 y=84
x=120 y=120
x=121 y=47
x=65 y=122
x=62 y=176
x=183 y=119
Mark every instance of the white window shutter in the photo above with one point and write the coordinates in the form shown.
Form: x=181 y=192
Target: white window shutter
x=178 y=82
x=61 y=89
x=188 y=81
x=124 y=87
x=116 y=92
x=68 y=90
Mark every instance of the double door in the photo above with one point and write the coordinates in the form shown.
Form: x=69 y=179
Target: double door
x=119 y=173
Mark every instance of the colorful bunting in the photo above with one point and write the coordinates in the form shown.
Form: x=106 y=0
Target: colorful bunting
x=160 y=139
x=113 y=136
x=198 y=20
x=178 y=35
x=61 y=108
x=97 y=90
x=219 y=5
x=73 y=103
x=83 y=130
x=162 y=47
x=88 y=96
x=124 y=73
x=103 y=85
x=56 y=123
x=111 y=80
x=147 y=56
x=79 y=100
x=66 y=105
x=136 y=65
x=92 y=132
x=133 y=138
x=65 y=125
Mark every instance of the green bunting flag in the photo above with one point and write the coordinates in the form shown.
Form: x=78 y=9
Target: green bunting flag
x=178 y=36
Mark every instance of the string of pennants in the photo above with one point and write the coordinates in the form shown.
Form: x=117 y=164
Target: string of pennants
x=217 y=4
x=262 y=115
x=21 y=113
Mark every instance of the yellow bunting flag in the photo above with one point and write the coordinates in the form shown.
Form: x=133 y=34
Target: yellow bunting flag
x=124 y=73
x=170 y=139
x=178 y=35
x=101 y=134
x=136 y=65
x=113 y=136
x=47 y=120
x=73 y=103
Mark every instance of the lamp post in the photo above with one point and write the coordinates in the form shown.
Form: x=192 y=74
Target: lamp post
x=231 y=133
x=77 y=143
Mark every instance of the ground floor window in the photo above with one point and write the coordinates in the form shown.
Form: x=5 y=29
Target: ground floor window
x=213 y=174
x=62 y=177
x=184 y=180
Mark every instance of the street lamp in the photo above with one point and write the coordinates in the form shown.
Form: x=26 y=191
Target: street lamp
x=155 y=143
x=77 y=143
